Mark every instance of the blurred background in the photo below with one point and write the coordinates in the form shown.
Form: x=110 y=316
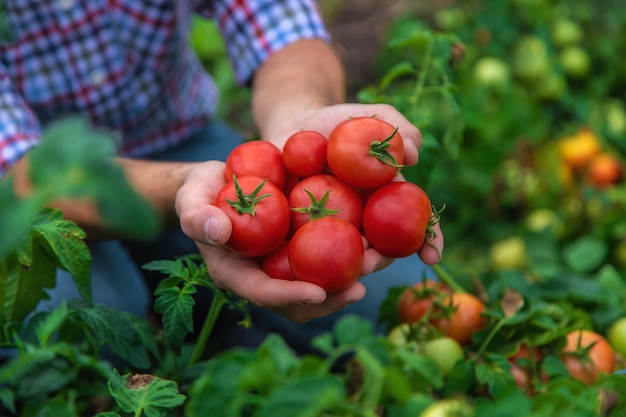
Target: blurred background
x=521 y=104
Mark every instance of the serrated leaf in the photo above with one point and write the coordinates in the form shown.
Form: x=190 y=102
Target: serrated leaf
x=75 y=160
x=121 y=331
x=175 y=304
x=148 y=393
x=22 y=286
x=64 y=241
x=496 y=375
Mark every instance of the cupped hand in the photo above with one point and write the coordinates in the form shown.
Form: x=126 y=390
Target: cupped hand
x=325 y=119
x=210 y=228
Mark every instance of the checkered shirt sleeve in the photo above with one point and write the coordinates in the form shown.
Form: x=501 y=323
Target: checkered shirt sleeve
x=254 y=29
x=19 y=128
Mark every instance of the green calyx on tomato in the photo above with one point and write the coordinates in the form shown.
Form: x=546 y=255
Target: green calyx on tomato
x=318 y=208
x=245 y=203
x=378 y=149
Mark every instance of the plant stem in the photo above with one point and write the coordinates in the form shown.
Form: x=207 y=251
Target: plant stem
x=447 y=279
x=216 y=306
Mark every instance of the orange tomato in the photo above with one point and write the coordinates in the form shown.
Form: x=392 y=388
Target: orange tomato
x=600 y=358
x=578 y=150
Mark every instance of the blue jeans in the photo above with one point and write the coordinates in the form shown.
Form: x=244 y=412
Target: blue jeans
x=119 y=281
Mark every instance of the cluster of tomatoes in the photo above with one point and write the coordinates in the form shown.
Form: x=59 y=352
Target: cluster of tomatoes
x=303 y=211
x=584 y=155
x=441 y=324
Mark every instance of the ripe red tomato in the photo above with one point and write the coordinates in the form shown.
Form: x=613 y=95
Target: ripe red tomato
x=396 y=218
x=599 y=359
x=276 y=264
x=365 y=152
x=327 y=252
x=604 y=170
x=418 y=300
x=259 y=158
x=259 y=212
x=304 y=153
x=466 y=318
x=341 y=201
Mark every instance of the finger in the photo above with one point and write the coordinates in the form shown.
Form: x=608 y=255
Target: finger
x=200 y=220
x=333 y=303
x=431 y=251
x=243 y=277
x=373 y=261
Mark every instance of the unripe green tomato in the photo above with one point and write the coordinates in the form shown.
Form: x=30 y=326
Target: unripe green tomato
x=551 y=87
x=398 y=334
x=449 y=407
x=617 y=336
x=444 y=351
x=491 y=71
x=509 y=253
x=575 y=61
x=531 y=61
x=615 y=117
x=544 y=219
x=450 y=18
x=566 y=32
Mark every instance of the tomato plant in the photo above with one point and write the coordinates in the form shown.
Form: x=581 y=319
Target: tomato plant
x=259 y=212
x=324 y=195
x=587 y=355
x=304 y=153
x=332 y=263
x=398 y=230
x=259 y=158
x=365 y=152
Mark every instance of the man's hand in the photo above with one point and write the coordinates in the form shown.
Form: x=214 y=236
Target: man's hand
x=210 y=228
x=325 y=119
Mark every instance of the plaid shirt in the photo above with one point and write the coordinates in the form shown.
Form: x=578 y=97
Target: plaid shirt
x=127 y=64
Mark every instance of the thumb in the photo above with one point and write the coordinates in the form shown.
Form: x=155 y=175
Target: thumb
x=200 y=220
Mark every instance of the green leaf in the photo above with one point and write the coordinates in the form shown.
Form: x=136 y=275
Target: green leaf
x=22 y=284
x=125 y=333
x=496 y=375
x=400 y=69
x=176 y=306
x=585 y=254
x=76 y=160
x=64 y=242
x=138 y=393
x=7 y=399
x=50 y=323
x=306 y=397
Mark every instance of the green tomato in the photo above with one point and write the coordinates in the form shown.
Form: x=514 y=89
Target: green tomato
x=492 y=72
x=575 y=61
x=531 y=61
x=509 y=253
x=449 y=407
x=566 y=32
x=444 y=351
x=398 y=334
x=617 y=336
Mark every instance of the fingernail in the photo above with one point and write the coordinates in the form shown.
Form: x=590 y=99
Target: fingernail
x=211 y=229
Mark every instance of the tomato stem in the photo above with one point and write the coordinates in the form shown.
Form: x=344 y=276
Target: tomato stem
x=447 y=278
x=246 y=202
x=378 y=149
x=217 y=303
x=430 y=232
x=317 y=209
